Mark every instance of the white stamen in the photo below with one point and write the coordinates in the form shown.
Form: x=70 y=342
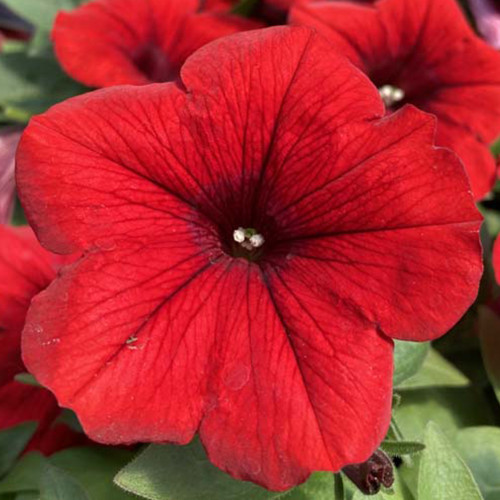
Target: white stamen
x=391 y=95
x=248 y=238
x=257 y=240
x=239 y=235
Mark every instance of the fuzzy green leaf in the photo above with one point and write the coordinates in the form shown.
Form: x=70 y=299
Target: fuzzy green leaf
x=94 y=468
x=167 y=472
x=55 y=484
x=443 y=474
x=400 y=448
x=408 y=358
x=13 y=440
x=31 y=84
x=480 y=448
x=436 y=371
x=25 y=475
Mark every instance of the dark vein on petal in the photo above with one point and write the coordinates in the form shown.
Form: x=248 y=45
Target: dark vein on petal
x=151 y=316
x=289 y=336
x=277 y=124
x=471 y=223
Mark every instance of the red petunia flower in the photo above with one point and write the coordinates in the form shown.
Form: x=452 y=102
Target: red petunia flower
x=423 y=53
x=113 y=42
x=25 y=270
x=251 y=244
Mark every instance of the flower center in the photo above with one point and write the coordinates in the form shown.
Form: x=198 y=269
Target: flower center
x=248 y=238
x=152 y=61
x=391 y=95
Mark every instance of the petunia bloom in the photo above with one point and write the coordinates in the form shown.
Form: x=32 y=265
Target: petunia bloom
x=114 y=42
x=252 y=239
x=487 y=14
x=8 y=144
x=26 y=269
x=424 y=53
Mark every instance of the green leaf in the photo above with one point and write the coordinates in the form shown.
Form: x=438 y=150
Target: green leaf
x=480 y=448
x=443 y=474
x=451 y=408
x=436 y=371
x=31 y=84
x=27 y=379
x=491 y=218
x=25 y=475
x=18 y=218
x=27 y=495
x=245 y=8
x=13 y=440
x=489 y=335
x=339 y=489
x=320 y=486
x=400 y=448
x=55 y=484
x=94 y=468
x=167 y=472
x=495 y=149
x=408 y=358
x=69 y=418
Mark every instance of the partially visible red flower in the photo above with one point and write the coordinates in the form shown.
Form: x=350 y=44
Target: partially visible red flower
x=8 y=144
x=252 y=241
x=113 y=42
x=24 y=403
x=25 y=270
x=424 y=53
x=487 y=14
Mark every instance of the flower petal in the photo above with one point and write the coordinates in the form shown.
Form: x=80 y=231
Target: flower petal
x=137 y=320
x=428 y=50
x=25 y=269
x=393 y=266
x=102 y=42
x=290 y=387
x=113 y=42
x=217 y=140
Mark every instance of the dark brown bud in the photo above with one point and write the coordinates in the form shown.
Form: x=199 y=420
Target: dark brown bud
x=371 y=475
